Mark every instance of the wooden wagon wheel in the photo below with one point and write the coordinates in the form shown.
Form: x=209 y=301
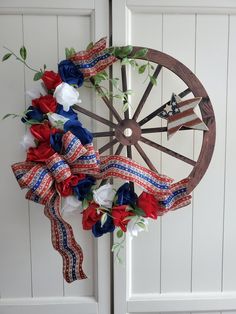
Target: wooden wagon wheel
x=118 y=128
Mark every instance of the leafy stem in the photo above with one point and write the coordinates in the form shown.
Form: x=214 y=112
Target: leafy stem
x=118 y=246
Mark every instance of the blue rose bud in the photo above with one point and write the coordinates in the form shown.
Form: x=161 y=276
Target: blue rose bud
x=98 y=230
x=83 y=187
x=126 y=196
x=56 y=141
x=33 y=113
x=69 y=73
x=76 y=128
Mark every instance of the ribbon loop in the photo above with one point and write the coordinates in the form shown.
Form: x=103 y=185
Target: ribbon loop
x=58 y=167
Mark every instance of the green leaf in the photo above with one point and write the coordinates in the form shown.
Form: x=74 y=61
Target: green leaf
x=141 y=225
x=6 y=56
x=23 y=52
x=138 y=211
x=90 y=45
x=44 y=67
x=125 y=106
x=8 y=115
x=103 y=219
x=142 y=68
x=115 y=246
x=38 y=76
x=32 y=122
x=140 y=53
x=119 y=233
x=85 y=203
x=125 y=51
x=125 y=61
x=67 y=53
x=153 y=80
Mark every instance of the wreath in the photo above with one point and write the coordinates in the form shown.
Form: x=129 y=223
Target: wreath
x=64 y=172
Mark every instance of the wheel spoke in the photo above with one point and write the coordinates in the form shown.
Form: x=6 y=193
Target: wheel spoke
x=145 y=157
x=146 y=93
x=107 y=146
x=119 y=149
x=168 y=151
x=161 y=129
x=94 y=116
x=106 y=101
x=103 y=134
x=159 y=110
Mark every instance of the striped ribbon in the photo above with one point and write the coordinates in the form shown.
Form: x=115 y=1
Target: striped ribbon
x=40 y=179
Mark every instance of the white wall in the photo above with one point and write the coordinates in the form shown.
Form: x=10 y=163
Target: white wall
x=186 y=262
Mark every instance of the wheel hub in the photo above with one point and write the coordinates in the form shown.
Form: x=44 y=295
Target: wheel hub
x=128 y=132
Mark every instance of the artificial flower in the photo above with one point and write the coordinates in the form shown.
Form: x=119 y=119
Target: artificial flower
x=56 y=141
x=40 y=153
x=28 y=140
x=66 y=95
x=137 y=225
x=65 y=188
x=51 y=79
x=75 y=128
x=125 y=195
x=70 y=114
x=57 y=120
x=70 y=73
x=45 y=103
x=41 y=132
x=33 y=113
x=148 y=203
x=98 y=229
x=35 y=93
x=90 y=216
x=120 y=214
x=71 y=204
x=104 y=195
x=83 y=187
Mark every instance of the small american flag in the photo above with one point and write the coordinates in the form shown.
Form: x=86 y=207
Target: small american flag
x=94 y=60
x=180 y=113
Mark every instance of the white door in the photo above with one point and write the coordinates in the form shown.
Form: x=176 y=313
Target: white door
x=186 y=262
x=30 y=269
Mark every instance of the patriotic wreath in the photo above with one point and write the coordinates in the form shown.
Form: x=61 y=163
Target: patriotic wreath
x=62 y=170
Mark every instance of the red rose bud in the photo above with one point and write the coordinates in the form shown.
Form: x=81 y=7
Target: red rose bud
x=148 y=203
x=119 y=213
x=45 y=103
x=41 y=132
x=90 y=216
x=51 y=79
x=65 y=187
x=41 y=153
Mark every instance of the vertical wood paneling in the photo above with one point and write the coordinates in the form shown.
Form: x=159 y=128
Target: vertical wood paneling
x=229 y=260
x=178 y=30
x=15 y=269
x=211 y=68
x=79 y=37
x=46 y=262
x=148 y=280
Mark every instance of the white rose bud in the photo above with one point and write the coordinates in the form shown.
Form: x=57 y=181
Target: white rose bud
x=56 y=120
x=104 y=195
x=27 y=140
x=71 y=204
x=66 y=95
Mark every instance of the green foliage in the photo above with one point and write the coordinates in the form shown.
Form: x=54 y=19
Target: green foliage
x=90 y=45
x=6 y=56
x=38 y=75
x=119 y=233
x=23 y=53
x=85 y=203
x=69 y=52
x=140 y=53
x=10 y=115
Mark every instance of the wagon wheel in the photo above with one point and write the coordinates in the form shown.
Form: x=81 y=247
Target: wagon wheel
x=118 y=128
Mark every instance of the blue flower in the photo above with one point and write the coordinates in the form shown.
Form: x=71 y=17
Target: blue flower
x=76 y=128
x=69 y=73
x=98 y=230
x=126 y=196
x=83 y=187
x=56 y=141
x=33 y=114
x=70 y=114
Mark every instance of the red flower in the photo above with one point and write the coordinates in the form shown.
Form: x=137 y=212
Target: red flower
x=90 y=216
x=40 y=153
x=51 y=79
x=148 y=203
x=119 y=214
x=45 y=103
x=41 y=132
x=66 y=187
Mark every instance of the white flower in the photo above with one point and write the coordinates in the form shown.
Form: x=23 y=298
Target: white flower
x=71 y=204
x=28 y=140
x=136 y=225
x=57 y=120
x=35 y=93
x=66 y=95
x=104 y=195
